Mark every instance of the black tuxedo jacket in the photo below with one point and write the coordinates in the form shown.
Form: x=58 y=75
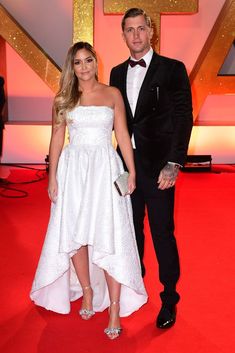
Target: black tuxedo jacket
x=163 y=117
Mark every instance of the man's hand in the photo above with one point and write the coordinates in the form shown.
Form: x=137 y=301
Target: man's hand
x=167 y=176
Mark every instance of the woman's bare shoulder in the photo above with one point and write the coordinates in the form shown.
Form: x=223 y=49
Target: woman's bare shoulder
x=111 y=95
x=113 y=91
x=110 y=89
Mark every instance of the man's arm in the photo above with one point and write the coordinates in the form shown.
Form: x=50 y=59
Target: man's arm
x=112 y=78
x=182 y=115
x=182 y=121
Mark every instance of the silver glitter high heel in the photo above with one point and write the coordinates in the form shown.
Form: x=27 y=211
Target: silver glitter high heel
x=113 y=332
x=86 y=314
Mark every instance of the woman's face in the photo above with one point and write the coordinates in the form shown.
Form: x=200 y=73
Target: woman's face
x=85 y=65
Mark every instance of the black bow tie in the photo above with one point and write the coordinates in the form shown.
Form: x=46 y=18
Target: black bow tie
x=141 y=62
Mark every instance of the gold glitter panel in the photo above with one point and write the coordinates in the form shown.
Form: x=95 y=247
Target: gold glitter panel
x=204 y=76
x=27 y=48
x=83 y=19
x=154 y=8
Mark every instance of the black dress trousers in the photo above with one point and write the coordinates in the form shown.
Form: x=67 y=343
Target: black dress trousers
x=160 y=208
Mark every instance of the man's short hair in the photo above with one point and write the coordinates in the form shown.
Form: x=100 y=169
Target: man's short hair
x=134 y=12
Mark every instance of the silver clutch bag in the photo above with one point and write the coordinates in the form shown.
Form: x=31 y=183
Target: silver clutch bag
x=121 y=184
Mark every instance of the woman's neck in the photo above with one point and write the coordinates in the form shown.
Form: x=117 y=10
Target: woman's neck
x=88 y=86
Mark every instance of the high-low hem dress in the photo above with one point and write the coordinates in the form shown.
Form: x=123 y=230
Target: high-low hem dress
x=89 y=211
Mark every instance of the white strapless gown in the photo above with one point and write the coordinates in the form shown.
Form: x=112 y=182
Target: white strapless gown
x=89 y=211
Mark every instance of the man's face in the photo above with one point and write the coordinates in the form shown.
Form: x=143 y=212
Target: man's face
x=137 y=35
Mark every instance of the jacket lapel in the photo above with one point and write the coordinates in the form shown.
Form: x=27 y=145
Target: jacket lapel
x=149 y=80
x=123 y=76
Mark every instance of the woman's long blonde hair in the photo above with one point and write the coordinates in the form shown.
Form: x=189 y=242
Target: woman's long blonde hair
x=68 y=95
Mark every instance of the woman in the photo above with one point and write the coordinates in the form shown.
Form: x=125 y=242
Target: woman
x=90 y=223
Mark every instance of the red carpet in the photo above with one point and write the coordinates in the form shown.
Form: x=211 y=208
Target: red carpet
x=205 y=231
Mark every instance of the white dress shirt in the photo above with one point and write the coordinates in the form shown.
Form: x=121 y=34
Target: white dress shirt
x=134 y=80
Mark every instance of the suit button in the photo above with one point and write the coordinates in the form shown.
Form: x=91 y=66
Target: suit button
x=154 y=109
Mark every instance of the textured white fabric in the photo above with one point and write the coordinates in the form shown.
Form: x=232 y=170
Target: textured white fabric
x=90 y=211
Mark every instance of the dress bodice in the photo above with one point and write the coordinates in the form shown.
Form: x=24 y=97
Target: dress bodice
x=90 y=125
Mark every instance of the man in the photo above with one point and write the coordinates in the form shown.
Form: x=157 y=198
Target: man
x=157 y=97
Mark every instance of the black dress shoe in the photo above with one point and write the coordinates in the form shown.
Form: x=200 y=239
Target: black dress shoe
x=166 y=317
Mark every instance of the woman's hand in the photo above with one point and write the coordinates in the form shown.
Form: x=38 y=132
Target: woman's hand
x=53 y=190
x=131 y=183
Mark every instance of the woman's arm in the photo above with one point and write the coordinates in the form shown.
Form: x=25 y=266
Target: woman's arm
x=123 y=137
x=56 y=145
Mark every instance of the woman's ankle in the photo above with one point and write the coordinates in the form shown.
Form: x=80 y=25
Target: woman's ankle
x=87 y=297
x=114 y=318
